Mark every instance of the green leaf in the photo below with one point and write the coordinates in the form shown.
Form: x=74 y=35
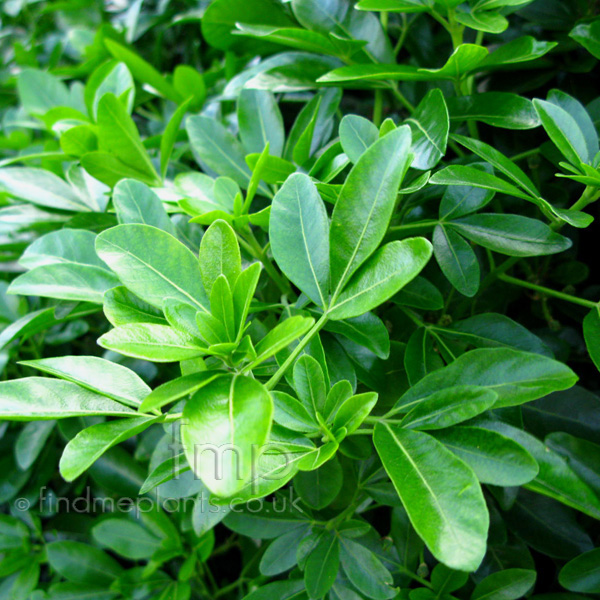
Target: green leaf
x=337 y=20
x=367 y=330
x=312 y=126
x=219 y=255
x=419 y=293
x=109 y=169
x=337 y=395
x=357 y=134
x=509 y=584
x=322 y=565
x=430 y=125
x=175 y=389
x=457 y=260
x=365 y=205
x=143 y=71
x=564 y=131
x=581 y=116
x=216 y=148
x=135 y=202
x=353 y=411
x=521 y=49
x=281 y=336
x=498 y=109
x=366 y=572
x=407 y=6
x=556 y=478
x=582 y=574
x=464 y=59
x=82 y=563
x=517 y=377
x=41 y=187
x=111 y=77
x=284 y=590
x=41 y=398
x=273 y=168
x=243 y=292
x=494 y=458
x=500 y=162
x=190 y=85
x=40 y=91
x=280 y=556
x=31 y=441
x=118 y=135
x=490 y=22
x=591 y=333
x=221 y=306
x=378 y=279
x=587 y=34
x=152 y=264
x=92 y=442
x=167 y=470
x=181 y=316
x=309 y=383
x=122 y=307
x=490 y=330
x=223 y=427
x=292 y=414
x=459 y=200
x=445 y=580
x=126 y=538
x=79 y=140
x=471 y=176
x=299 y=235
x=96 y=374
x=449 y=406
x=74 y=246
x=157 y=343
x=67 y=281
x=300 y=39
x=221 y=17
x=169 y=136
x=319 y=488
x=440 y=493
x=420 y=356
x=260 y=122
x=13 y=532
x=513 y=235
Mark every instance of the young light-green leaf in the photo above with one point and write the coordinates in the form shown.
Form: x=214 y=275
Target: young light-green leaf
x=223 y=428
x=381 y=276
x=365 y=205
x=299 y=234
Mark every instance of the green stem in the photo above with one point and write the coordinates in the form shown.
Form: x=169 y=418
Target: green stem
x=549 y=292
x=171 y=417
x=525 y=154
x=27 y=157
x=497 y=271
x=590 y=194
x=362 y=432
x=400 y=97
x=295 y=353
x=403 y=34
x=455 y=29
x=417 y=227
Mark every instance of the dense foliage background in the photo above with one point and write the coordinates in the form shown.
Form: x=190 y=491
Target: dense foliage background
x=352 y=244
